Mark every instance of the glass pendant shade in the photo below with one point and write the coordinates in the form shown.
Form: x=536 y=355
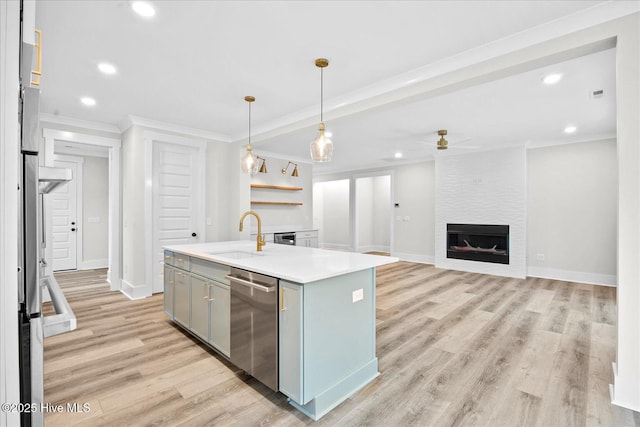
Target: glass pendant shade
x=321 y=147
x=249 y=162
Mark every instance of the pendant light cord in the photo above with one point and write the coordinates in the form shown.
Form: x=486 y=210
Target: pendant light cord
x=249 y=124
x=321 y=93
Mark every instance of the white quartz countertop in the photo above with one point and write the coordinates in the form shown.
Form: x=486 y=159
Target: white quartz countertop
x=292 y=263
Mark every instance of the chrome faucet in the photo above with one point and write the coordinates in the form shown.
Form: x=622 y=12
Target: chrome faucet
x=260 y=239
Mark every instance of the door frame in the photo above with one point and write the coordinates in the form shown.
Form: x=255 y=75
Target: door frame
x=149 y=138
x=79 y=161
x=354 y=205
x=114 y=145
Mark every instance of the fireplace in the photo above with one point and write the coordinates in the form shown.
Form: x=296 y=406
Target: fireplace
x=475 y=242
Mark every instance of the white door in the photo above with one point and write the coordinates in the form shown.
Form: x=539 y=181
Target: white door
x=177 y=201
x=64 y=220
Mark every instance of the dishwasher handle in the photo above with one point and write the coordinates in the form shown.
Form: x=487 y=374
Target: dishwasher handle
x=251 y=284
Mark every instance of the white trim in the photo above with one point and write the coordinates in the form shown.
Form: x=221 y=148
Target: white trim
x=374 y=248
x=9 y=151
x=115 y=213
x=69 y=121
x=133 y=292
x=573 y=276
x=93 y=264
x=420 y=258
x=129 y=121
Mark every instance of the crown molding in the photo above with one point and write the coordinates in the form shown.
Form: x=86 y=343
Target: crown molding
x=129 y=121
x=85 y=124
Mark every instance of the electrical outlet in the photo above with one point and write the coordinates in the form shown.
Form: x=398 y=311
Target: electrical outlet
x=540 y=257
x=357 y=295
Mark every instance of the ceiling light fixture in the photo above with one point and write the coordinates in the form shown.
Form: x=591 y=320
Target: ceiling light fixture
x=263 y=168
x=143 y=9
x=89 y=102
x=552 y=79
x=321 y=147
x=442 y=143
x=295 y=169
x=398 y=155
x=107 y=68
x=249 y=163
x=570 y=129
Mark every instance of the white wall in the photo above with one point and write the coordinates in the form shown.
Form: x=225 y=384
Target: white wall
x=483 y=188
x=372 y=206
x=283 y=217
x=414 y=192
x=95 y=212
x=333 y=212
x=572 y=211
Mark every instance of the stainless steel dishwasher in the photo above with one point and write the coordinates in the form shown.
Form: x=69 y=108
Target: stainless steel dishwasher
x=254 y=325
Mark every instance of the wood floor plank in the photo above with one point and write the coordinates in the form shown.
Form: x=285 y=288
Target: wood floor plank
x=453 y=348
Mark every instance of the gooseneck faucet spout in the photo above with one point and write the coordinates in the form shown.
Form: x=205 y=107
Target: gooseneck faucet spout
x=260 y=239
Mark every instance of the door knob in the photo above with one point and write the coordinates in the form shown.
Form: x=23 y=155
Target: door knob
x=193 y=234
x=73 y=229
x=73 y=223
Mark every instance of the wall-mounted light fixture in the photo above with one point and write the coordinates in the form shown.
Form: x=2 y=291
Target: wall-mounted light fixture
x=249 y=163
x=295 y=169
x=321 y=147
x=263 y=167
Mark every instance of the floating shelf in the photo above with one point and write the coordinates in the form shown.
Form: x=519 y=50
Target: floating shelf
x=255 y=202
x=276 y=187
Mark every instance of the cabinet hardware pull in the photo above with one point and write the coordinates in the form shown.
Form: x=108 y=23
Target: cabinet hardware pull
x=38 y=71
x=282 y=307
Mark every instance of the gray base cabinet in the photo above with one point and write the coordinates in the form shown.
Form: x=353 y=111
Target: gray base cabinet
x=197 y=296
x=290 y=340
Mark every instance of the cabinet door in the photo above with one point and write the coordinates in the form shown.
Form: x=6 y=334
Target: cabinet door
x=200 y=306
x=220 y=310
x=313 y=242
x=182 y=298
x=290 y=345
x=169 y=285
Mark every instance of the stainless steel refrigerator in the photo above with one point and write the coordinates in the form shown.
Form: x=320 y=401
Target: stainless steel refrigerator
x=35 y=181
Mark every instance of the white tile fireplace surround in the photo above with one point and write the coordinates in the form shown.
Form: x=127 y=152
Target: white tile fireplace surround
x=483 y=188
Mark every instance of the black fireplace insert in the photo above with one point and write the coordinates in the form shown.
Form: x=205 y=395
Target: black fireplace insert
x=478 y=242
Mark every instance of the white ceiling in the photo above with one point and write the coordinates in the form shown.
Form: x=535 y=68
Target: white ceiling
x=192 y=64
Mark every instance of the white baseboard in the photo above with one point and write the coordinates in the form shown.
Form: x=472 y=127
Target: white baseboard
x=134 y=292
x=421 y=258
x=92 y=264
x=374 y=248
x=573 y=276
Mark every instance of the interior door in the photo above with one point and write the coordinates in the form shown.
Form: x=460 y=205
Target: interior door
x=64 y=221
x=176 y=205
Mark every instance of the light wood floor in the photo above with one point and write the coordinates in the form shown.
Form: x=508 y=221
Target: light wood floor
x=454 y=349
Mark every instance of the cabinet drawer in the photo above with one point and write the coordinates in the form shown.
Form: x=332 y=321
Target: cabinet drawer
x=210 y=269
x=305 y=234
x=168 y=258
x=181 y=261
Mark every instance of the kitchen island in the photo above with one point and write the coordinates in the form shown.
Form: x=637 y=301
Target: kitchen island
x=325 y=311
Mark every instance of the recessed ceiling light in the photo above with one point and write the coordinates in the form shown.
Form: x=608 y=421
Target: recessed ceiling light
x=570 y=129
x=106 y=68
x=143 y=8
x=88 y=101
x=398 y=155
x=552 y=79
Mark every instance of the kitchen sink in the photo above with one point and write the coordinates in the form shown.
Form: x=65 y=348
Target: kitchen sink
x=236 y=254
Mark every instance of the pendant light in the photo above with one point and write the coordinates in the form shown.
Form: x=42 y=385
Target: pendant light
x=321 y=147
x=249 y=162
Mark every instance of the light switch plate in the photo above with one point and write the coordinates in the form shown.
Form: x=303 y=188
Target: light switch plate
x=357 y=295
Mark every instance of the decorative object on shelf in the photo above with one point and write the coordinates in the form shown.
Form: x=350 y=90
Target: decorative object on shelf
x=321 y=147
x=249 y=163
x=442 y=143
x=263 y=168
x=295 y=169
